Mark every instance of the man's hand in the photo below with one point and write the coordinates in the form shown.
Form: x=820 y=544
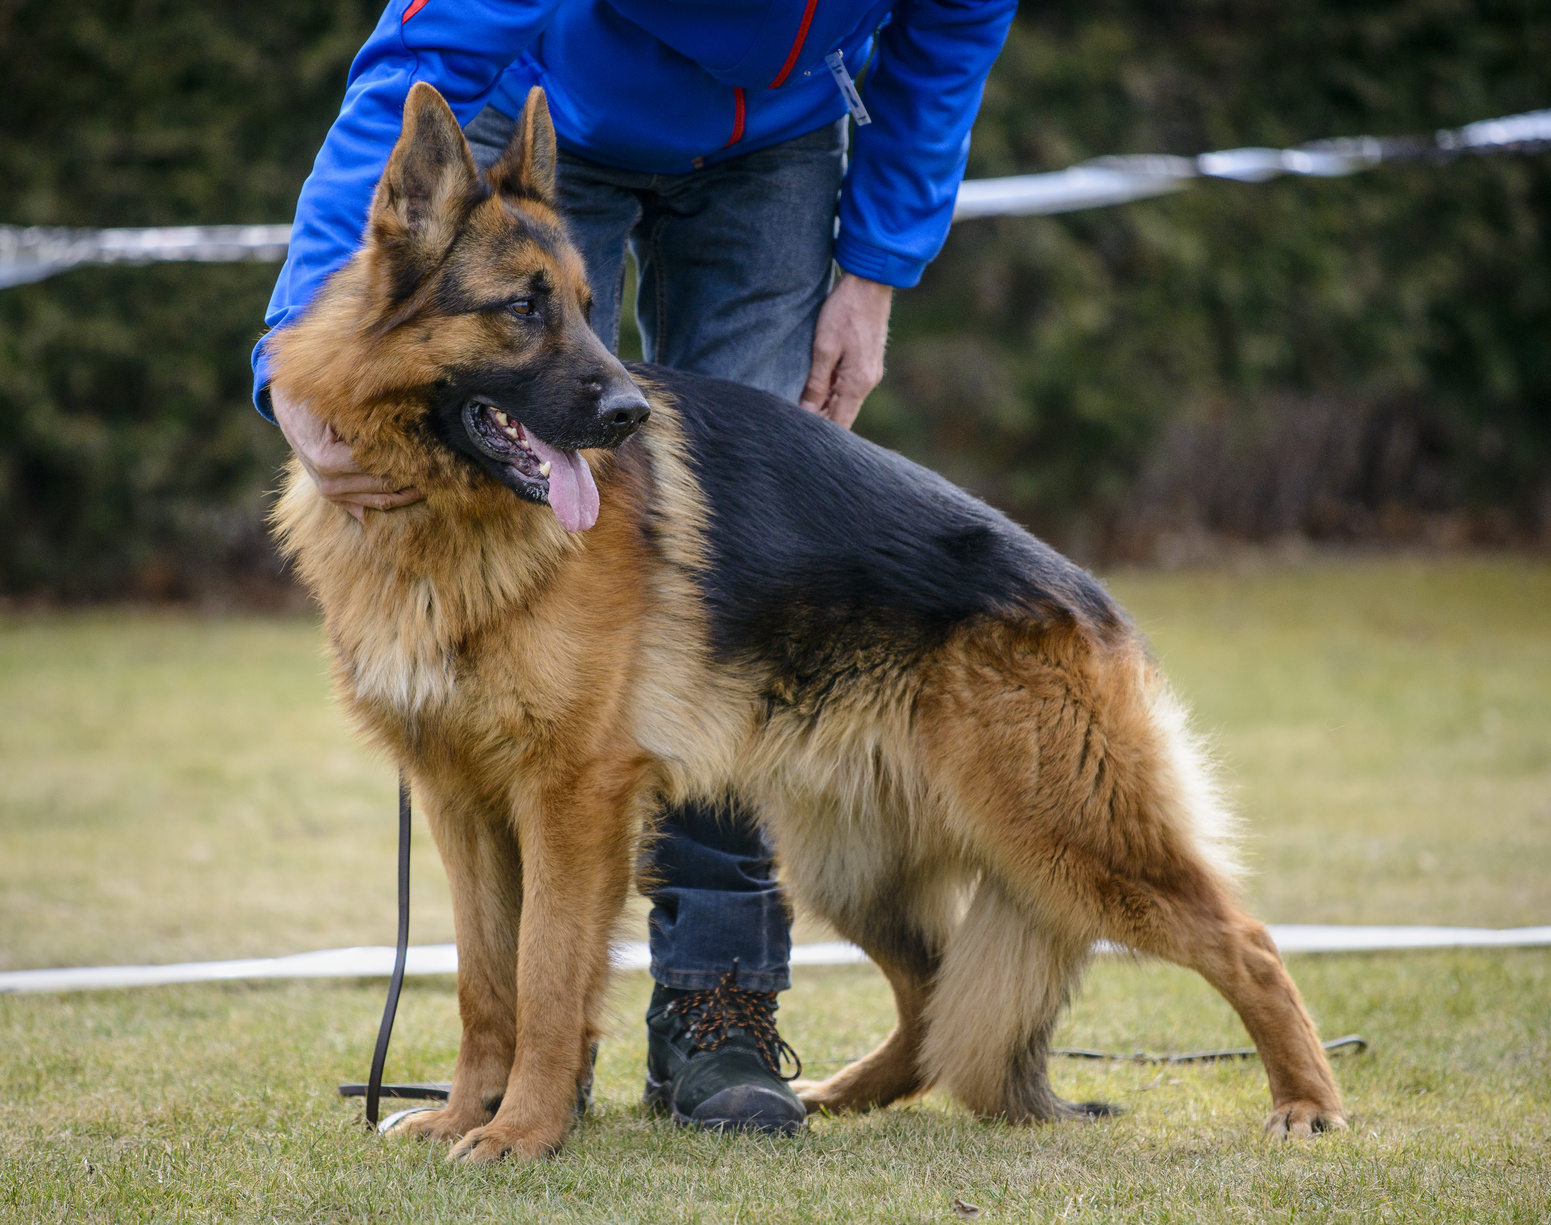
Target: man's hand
x=328 y=461
x=848 y=347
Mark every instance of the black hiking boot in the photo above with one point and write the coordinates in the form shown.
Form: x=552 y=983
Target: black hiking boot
x=713 y=1060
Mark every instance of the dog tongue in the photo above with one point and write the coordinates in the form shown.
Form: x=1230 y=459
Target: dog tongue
x=572 y=494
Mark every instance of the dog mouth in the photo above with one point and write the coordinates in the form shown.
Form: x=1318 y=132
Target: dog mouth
x=533 y=468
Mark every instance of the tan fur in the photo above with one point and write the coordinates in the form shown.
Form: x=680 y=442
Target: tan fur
x=975 y=823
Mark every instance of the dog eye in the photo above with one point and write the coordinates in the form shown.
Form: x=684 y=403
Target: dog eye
x=522 y=306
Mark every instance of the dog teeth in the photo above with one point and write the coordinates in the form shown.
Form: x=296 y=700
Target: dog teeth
x=511 y=431
x=502 y=418
x=544 y=468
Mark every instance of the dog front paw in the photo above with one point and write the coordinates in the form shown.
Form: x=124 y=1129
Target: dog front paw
x=438 y=1126
x=490 y=1143
x=1300 y=1120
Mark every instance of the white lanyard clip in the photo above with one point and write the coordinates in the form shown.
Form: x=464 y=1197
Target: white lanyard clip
x=836 y=61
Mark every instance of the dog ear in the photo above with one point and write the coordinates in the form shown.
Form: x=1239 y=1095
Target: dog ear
x=425 y=192
x=527 y=168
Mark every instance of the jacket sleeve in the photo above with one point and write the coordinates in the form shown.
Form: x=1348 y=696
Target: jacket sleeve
x=460 y=46
x=923 y=93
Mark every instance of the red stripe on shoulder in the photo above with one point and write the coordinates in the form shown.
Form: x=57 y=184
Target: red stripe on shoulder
x=414 y=7
x=802 y=37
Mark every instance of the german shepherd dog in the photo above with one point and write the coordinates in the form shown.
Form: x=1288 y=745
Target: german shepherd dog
x=627 y=587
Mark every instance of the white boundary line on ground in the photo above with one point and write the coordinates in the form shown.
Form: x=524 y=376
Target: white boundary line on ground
x=377 y=961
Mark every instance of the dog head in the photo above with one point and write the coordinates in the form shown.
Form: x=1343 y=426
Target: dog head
x=466 y=317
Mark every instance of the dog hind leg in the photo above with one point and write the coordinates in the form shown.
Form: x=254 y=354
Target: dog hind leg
x=1180 y=906
x=1003 y=983
x=1175 y=901
x=899 y=912
x=1085 y=794
x=893 y=1069
x=1204 y=931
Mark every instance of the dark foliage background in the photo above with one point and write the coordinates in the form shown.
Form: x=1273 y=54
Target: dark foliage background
x=1364 y=358
x=131 y=459
x=1359 y=359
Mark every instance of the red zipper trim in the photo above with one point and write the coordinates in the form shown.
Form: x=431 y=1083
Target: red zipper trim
x=737 y=116
x=802 y=37
x=414 y=8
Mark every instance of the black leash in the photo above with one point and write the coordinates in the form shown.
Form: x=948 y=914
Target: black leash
x=1354 y=1043
x=374 y=1090
x=400 y=956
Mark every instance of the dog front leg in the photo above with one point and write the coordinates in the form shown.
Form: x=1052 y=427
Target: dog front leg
x=479 y=850
x=576 y=867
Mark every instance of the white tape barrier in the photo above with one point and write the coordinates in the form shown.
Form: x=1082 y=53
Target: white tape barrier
x=1118 y=180
x=31 y=254
x=377 y=961
x=36 y=252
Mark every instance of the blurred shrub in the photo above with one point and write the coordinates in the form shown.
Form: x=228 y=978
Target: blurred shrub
x=1364 y=358
x=131 y=460
x=1370 y=355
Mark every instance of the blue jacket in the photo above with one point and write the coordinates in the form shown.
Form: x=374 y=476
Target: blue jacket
x=668 y=86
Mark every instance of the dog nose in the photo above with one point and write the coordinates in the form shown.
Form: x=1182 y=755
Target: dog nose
x=623 y=412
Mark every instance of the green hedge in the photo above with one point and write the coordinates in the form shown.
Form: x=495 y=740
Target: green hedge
x=131 y=459
x=1339 y=358
x=1356 y=358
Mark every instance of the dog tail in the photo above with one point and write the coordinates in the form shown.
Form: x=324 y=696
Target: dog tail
x=1186 y=792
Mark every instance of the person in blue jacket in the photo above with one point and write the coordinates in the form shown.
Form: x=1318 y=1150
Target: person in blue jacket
x=711 y=140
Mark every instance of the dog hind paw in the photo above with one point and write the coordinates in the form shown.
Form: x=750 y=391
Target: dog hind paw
x=818 y=1096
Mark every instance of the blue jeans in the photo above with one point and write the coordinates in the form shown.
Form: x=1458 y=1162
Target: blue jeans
x=733 y=264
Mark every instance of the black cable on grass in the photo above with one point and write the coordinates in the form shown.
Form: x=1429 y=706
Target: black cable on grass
x=1354 y=1043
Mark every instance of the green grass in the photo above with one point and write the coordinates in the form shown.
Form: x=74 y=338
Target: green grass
x=1386 y=727
x=177 y=788
x=217 y=1103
